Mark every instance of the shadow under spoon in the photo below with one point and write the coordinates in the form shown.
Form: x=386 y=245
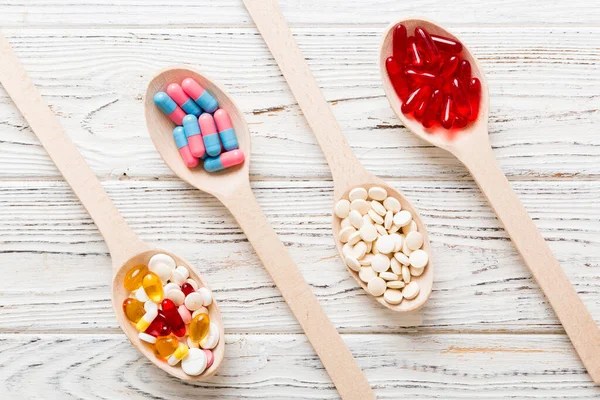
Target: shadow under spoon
x=126 y=249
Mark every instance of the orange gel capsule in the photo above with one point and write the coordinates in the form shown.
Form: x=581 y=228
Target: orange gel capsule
x=199 y=327
x=133 y=309
x=153 y=287
x=165 y=346
x=133 y=278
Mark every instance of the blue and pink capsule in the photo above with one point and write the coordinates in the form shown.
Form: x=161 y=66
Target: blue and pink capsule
x=210 y=135
x=184 y=149
x=199 y=95
x=223 y=161
x=169 y=107
x=183 y=100
x=193 y=136
x=226 y=132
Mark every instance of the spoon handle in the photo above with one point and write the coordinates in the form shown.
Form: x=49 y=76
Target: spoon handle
x=572 y=313
x=335 y=356
x=346 y=170
x=120 y=239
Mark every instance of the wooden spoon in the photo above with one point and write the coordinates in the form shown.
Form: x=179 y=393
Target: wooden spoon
x=126 y=249
x=472 y=147
x=346 y=169
x=232 y=188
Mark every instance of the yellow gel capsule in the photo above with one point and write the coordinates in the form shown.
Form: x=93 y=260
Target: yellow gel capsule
x=199 y=327
x=133 y=278
x=133 y=309
x=165 y=346
x=153 y=287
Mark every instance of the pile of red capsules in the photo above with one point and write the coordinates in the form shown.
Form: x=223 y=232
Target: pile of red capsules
x=432 y=79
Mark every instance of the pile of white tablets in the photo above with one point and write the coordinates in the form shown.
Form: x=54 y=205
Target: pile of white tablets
x=382 y=243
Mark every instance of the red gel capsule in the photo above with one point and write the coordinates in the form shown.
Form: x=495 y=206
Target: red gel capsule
x=426 y=46
x=461 y=99
x=447 y=115
x=446 y=44
x=463 y=72
x=426 y=78
x=433 y=109
x=397 y=77
x=187 y=288
x=173 y=318
x=449 y=67
x=159 y=327
x=474 y=98
x=422 y=105
x=459 y=122
x=414 y=99
x=414 y=56
x=399 y=44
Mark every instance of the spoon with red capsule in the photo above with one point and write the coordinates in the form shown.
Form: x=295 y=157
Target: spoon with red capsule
x=456 y=120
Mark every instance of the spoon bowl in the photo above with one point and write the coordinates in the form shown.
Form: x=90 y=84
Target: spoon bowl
x=471 y=146
x=119 y=294
x=436 y=135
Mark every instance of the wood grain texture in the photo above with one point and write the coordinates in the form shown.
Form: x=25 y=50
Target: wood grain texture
x=279 y=367
x=480 y=276
x=544 y=85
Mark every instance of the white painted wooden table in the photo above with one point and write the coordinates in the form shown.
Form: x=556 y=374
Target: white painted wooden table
x=487 y=331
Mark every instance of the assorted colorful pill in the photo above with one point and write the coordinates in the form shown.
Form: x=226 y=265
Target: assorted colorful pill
x=432 y=79
x=382 y=243
x=162 y=300
x=200 y=135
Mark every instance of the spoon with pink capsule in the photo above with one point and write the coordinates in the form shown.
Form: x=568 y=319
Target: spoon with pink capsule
x=469 y=142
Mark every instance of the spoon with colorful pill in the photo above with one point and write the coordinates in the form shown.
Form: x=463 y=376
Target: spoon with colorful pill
x=437 y=89
x=127 y=251
x=231 y=186
x=349 y=176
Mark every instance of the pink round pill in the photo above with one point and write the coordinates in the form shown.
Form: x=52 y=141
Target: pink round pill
x=210 y=358
x=185 y=314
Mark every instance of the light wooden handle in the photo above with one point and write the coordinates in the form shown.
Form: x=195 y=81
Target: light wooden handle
x=544 y=267
x=119 y=238
x=335 y=356
x=345 y=167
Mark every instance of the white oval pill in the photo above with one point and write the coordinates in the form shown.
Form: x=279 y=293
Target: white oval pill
x=409 y=228
x=201 y=310
x=366 y=260
x=176 y=296
x=345 y=222
x=381 y=230
x=359 y=250
x=163 y=271
x=356 y=219
x=419 y=259
x=402 y=218
x=402 y=258
x=393 y=229
x=162 y=265
x=395 y=266
x=388 y=221
x=393 y=297
x=368 y=232
x=367 y=219
x=193 y=283
x=380 y=263
x=392 y=204
x=366 y=274
x=396 y=284
x=398 y=240
x=342 y=208
x=388 y=276
x=386 y=244
x=358 y=193
x=194 y=363
x=345 y=233
x=210 y=341
x=416 y=271
x=377 y=193
x=194 y=301
x=369 y=247
x=376 y=286
x=362 y=206
x=354 y=238
x=207 y=296
x=170 y=286
x=378 y=208
x=405 y=274
x=414 y=240
x=179 y=275
x=352 y=263
x=405 y=249
x=411 y=290
x=375 y=217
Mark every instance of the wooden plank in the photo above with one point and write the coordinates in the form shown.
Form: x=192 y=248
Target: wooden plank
x=421 y=366
x=481 y=285
x=306 y=12
x=544 y=105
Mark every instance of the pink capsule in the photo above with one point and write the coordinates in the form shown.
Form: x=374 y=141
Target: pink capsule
x=184 y=149
x=225 y=160
x=204 y=99
x=183 y=100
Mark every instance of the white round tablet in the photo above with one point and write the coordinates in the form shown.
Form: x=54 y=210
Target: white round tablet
x=358 y=193
x=419 y=258
x=366 y=274
x=377 y=193
x=392 y=204
x=342 y=208
x=376 y=286
x=362 y=206
x=402 y=218
x=368 y=232
x=393 y=297
x=380 y=263
x=386 y=244
x=345 y=233
x=352 y=263
x=194 y=363
x=356 y=219
x=411 y=290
